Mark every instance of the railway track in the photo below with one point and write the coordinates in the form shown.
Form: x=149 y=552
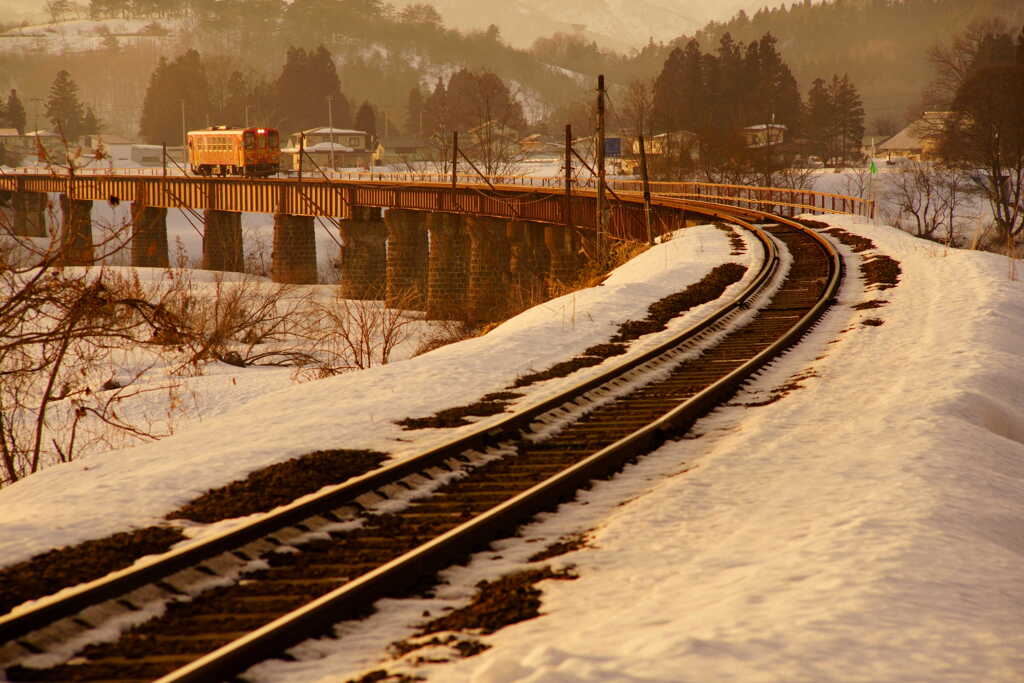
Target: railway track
x=249 y=594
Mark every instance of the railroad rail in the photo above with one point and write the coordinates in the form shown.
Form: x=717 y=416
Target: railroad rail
x=384 y=532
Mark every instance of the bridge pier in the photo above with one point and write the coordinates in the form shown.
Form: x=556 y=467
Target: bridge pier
x=407 y=259
x=562 y=248
x=222 y=241
x=448 y=268
x=294 y=258
x=76 y=245
x=363 y=254
x=29 y=214
x=487 y=298
x=527 y=261
x=149 y=237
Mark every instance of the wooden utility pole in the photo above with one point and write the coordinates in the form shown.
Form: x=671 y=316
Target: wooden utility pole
x=568 y=175
x=599 y=144
x=647 y=190
x=330 y=124
x=302 y=152
x=455 y=157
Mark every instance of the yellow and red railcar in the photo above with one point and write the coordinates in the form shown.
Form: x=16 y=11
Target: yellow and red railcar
x=220 y=150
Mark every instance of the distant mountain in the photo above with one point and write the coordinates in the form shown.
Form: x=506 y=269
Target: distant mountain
x=12 y=11
x=619 y=24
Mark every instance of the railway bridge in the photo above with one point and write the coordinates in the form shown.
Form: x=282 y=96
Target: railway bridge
x=436 y=245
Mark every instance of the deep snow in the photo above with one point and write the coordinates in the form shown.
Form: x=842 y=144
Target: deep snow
x=866 y=526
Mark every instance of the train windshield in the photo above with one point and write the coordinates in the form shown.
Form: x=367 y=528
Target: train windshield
x=272 y=139
x=250 y=140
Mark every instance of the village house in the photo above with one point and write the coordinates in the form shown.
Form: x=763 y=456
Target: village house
x=764 y=135
x=330 y=148
x=918 y=141
x=29 y=144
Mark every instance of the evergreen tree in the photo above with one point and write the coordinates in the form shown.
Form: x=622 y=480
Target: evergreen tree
x=301 y=92
x=436 y=121
x=236 y=101
x=176 y=90
x=366 y=120
x=849 y=118
x=63 y=108
x=91 y=123
x=414 y=111
x=820 y=119
x=157 y=122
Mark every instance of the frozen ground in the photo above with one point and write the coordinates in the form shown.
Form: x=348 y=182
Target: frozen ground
x=864 y=527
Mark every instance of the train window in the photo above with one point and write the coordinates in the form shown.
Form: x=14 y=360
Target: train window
x=272 y=139
x=250 y=140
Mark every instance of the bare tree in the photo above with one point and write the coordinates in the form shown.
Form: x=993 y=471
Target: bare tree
x=927 y=200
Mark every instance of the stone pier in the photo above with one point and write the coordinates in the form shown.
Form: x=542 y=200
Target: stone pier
x=29 y=214
x=76 y=232
x=363 y=254
x=528 y=262
x=487 y=299
x=407 y=259
x=222 y=241
x=149 y=237
x=448 y=270
x=561 y=244
x=294 y=257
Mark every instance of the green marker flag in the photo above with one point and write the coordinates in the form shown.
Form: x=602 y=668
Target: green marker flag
x=872 y=168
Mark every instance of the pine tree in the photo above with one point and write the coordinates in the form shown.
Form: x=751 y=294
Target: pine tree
x=63 y=108
x=436 y=121
x=236 y=101
x=819 y=119
x=849 y=121
x=366 y=120
x=414 y=111
x=157 y=122
x=302 y=89
x=173 y=87
x=90 y=123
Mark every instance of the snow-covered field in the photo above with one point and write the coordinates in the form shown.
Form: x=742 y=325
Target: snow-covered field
x=866 y=526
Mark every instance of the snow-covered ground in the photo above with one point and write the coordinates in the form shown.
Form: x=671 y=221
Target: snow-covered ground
x=866 y=526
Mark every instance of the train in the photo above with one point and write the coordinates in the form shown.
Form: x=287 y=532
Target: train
x=219 y=150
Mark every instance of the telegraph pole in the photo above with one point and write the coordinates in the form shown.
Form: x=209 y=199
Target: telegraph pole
x=568 y=175
x=455 y=157
x=601 y=218
x=647 y=190
x=330 y=124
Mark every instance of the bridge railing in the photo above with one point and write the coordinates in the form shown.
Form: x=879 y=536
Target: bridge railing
x=784 y=201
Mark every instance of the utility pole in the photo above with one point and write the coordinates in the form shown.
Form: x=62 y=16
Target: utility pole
x=568 y=175
x=455 y=157
x=330 y=124
x=601 y=218
x=184 y=133
x=647 y=191
x=247 y=115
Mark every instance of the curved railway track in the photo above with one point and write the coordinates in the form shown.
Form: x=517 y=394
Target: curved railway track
x=250 y=593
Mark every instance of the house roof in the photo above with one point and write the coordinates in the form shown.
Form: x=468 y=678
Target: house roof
x=326 y=130
x=908 y=138
x=914 y=136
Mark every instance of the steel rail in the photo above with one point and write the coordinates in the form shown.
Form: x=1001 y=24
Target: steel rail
x=319 y=614
x=355 y=595
x=51 y=609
